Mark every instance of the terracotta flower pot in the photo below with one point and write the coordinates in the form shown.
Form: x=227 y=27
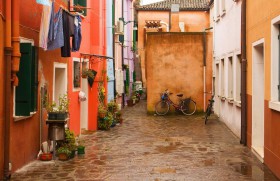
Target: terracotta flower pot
x=45 y=156
x=62 y=156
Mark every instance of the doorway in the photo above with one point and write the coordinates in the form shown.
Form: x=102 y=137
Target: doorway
x=60 y=81
x=84 y=104
x=258 y=99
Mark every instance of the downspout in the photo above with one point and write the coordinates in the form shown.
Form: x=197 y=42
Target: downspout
x=123 y=58
x=243 y=76
x=8 y=88
x=114 y=61
x=167 y=26
x=204 y=66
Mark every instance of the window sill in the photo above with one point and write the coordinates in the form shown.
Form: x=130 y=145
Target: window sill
x=274 y=105
x=19 y=118
x=230 y=100
x=237 y=103
x=222 y=98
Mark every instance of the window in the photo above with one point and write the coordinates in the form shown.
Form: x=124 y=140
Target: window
x=82 y=3
x=275 y=64
x=222 y=77
x=76 y=74
x=26 y=92
x=238 y=79
x=222 y=7
x=217 y=9
x=230 y=78
x=217 y=80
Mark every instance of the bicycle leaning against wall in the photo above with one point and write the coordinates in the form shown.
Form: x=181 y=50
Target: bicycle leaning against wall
x=209 y=109
x=186 y=106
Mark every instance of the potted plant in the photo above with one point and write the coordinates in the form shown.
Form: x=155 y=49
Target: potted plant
x=70 y=142
x=60 y=111
x=112 y=106
x=106 y=122
x=81 y=147
x=90 y=75
x=118 y=116
x=63 y=153
x=102 y=111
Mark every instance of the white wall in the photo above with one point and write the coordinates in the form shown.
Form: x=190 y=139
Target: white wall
x=227 y=43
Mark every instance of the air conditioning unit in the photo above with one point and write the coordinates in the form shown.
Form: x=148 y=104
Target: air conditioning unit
x=119 y=27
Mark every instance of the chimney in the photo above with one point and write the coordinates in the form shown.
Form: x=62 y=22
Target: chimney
x=175 y=18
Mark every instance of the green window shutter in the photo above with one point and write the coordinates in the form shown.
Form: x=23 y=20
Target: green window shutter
x=82 y=3
x=34 y=79
x=134 y=39
x=23 y=90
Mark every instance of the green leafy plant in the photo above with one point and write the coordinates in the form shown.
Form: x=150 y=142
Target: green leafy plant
x=112 y=106
x=63 y=149
x=106 y=122
x=88 y=73
x=102 y=111
x=63 y=104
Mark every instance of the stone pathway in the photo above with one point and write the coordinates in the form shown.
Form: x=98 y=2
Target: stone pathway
x=155 y=148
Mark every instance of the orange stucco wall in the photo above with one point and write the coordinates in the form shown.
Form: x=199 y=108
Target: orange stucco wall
x=174 y=61
x=258 y=27
x=195 y=21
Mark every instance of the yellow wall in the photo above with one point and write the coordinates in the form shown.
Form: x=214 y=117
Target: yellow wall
x=258 y=27
x=195 y=21
x=259 y=16
x=175 y=62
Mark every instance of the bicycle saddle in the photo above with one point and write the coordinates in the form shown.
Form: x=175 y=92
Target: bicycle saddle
x=180 y=95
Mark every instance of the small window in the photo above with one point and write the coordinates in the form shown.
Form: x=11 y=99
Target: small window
x=76 y=74
x=238 y=79
x=222 y=78
x=230 y=78
x=26 y=92
x=81 y=3
x=217 y=83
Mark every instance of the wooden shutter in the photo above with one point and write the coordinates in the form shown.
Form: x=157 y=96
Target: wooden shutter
x=34 y=79
x=23 y=90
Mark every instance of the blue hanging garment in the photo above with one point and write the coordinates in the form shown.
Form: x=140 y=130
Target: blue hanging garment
x=77 y=39
x=55 y=37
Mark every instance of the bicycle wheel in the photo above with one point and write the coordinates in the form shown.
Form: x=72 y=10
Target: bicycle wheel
x=188 y=107
x=207 y=113
x=161 y=108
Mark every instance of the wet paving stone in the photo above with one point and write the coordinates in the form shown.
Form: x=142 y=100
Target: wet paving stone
x=155 y=148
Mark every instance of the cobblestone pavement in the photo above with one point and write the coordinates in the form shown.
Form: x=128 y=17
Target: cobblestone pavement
x=156 y=148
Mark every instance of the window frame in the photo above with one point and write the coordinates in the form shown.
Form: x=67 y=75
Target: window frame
x=73 y=74
x=274 y=102
x=230 y=83
x=34 y=82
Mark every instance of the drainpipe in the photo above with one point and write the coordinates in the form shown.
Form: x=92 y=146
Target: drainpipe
x=243 y=76
x=204 y=66
x=123 y=95
x=167 y=26
x=8 y=88
x=114 y=46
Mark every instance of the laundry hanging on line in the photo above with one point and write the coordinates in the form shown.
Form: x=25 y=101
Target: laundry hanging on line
x=57 y=28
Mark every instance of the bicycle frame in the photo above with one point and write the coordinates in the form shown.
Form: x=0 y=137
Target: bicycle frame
x=165 y=97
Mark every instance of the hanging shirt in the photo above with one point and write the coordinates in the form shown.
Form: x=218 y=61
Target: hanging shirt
x=76 y=41
x=68 y=31
x=56 y=36
x=44 y=28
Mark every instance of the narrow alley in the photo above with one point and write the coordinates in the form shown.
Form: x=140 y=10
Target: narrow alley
x=148 y=147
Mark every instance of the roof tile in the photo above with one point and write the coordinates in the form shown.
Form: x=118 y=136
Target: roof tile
x=185 y=5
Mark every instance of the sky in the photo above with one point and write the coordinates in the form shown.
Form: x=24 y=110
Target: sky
x=144 y=2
